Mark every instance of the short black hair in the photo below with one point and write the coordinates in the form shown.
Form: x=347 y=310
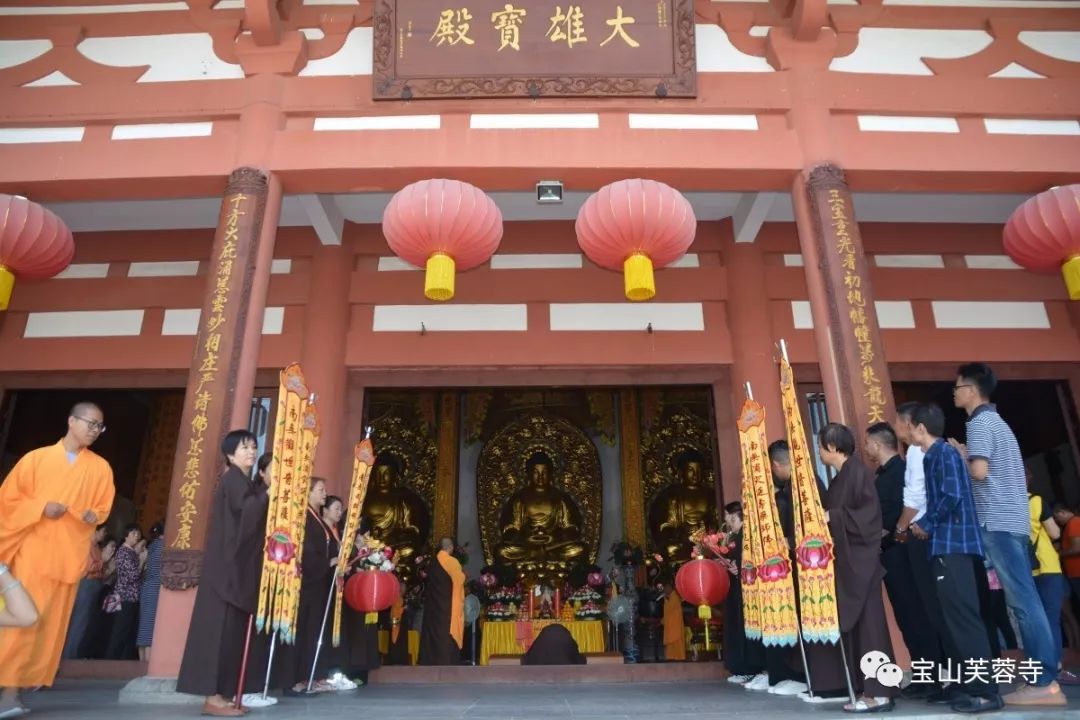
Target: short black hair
x=130 y=528
x=884 y=434
x=907 y=410
x=330 y=500
x=980 y=375
x=264 y=461
x=931 y=417
x=315 y=479
x=778 y=449
x=734 y=508
x=157 y=529
x=234 y=440
x=839 y=437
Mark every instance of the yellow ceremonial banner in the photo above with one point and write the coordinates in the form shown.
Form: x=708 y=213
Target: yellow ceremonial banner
x=813 y=542
x=363 y=460
x=278 y=589
x=768 y=592
x=301 y=488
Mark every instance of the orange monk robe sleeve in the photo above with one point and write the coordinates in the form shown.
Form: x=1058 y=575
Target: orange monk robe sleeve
x=21 y=505
x=674 y=628
x=457 y=600
x=396 y=611
x=99 y=495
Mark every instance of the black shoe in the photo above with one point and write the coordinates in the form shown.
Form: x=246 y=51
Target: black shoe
x=918 y=691
x=945 y=696
x=974 y=705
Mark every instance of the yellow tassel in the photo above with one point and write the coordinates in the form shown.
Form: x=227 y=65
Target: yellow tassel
x=638 y=277
x=371 y=618
x=7 y=283
x=1070 y=269
x=439 y=279
x=704 y=612
x=706 y=635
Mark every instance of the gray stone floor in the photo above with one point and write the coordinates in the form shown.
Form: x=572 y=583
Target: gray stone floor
x=95 y=700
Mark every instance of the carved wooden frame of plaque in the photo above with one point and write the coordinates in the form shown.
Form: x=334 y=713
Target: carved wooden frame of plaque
x=681 y=84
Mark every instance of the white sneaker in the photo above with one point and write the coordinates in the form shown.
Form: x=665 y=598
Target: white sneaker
x=256 y=700
x=787 y=687
x=817 y=699
x=760 y=682
x=740 y=679
x=340 y=682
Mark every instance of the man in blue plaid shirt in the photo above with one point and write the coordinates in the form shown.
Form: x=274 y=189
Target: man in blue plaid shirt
x=956 y=554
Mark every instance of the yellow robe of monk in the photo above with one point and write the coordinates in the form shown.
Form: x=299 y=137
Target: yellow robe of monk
x=48 y=556
x=674 y=628
x=457 y=601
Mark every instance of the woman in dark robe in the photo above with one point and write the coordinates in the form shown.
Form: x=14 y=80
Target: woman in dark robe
x=215 y=642
x=853 y=513
x=554 y=645
x=443 y=626
x=360 y=638
x=250 y=557
x=744 y=658
x=333 y=660
x=317 y=566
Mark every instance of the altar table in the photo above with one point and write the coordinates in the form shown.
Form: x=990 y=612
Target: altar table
x=515 y=637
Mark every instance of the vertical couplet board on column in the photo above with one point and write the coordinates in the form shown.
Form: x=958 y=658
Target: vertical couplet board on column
x=856 y=338
x=446 y=473
x=208 y=401
x=632 y=491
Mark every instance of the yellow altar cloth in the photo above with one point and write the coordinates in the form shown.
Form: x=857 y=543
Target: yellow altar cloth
x=509 y=638
x=414 y=644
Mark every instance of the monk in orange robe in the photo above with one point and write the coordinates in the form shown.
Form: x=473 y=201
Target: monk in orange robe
x=50 y=504
x=443 y=629
x=674 y=628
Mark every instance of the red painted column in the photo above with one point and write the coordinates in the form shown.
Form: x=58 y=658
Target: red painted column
x=326 y=325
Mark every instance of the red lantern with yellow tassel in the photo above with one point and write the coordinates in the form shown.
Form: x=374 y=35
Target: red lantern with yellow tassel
x=372 y=591
x=443 y=226
x=703 y=583
x=635 y=226
x=34 y=244
x=1043 y=235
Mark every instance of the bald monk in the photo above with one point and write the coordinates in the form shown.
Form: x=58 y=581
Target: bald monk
x=674 y=627
x=443 y=629
x=50 y=504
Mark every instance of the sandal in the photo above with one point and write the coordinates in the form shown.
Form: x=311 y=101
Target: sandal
x=870 y=705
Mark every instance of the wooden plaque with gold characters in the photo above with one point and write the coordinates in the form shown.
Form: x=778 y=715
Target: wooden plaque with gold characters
x=533 y=48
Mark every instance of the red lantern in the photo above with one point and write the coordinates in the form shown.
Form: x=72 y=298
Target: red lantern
x=1043 y=234
x=703 y=583
x=442 y=225
x=34 y=243
x=633 y=226
x=371 y=591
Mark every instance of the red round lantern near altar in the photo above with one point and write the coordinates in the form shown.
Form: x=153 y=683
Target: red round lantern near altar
x=635 y=226
x=1043 y=235
x=372 y=591
x=34 y=244
x=703 y=583
x=443 y=226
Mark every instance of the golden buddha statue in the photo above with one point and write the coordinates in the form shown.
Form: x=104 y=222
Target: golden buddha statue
x=395 y=512
x=540 y=525
x=685 y=505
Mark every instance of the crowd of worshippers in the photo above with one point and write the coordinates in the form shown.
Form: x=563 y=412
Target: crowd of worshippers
x=969 y=558
x=116 y=600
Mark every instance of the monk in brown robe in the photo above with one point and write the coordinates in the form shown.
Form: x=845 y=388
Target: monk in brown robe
x=50 y=504
x=443 y=629
x=554 y=645
x=215 y=642
x=854 y=517
x=249 y=562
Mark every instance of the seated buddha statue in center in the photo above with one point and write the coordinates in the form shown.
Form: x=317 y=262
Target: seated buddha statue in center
x=540 y=523
x=396 y=513
x=685 y=505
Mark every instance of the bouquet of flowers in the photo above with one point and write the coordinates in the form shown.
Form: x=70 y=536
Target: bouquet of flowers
x=506 y=595
x=372 y=554
x=501 y=612
x=584 y=595
x=719 y=545
x=589 y=611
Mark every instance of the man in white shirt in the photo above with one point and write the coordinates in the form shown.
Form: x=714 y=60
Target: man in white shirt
x=918 y=551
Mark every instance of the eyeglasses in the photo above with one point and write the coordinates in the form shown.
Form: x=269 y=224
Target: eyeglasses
x=94 y=425
x=957 y=387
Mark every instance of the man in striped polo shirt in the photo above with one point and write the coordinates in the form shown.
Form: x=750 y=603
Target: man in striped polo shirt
x=1000 y=489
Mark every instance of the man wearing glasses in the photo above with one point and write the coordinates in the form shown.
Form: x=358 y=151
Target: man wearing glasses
x=999 y=485
x=50 y=504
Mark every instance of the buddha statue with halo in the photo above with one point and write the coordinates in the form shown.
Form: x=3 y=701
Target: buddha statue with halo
x=685 y=505
x=396 y=513
x=540 y=528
